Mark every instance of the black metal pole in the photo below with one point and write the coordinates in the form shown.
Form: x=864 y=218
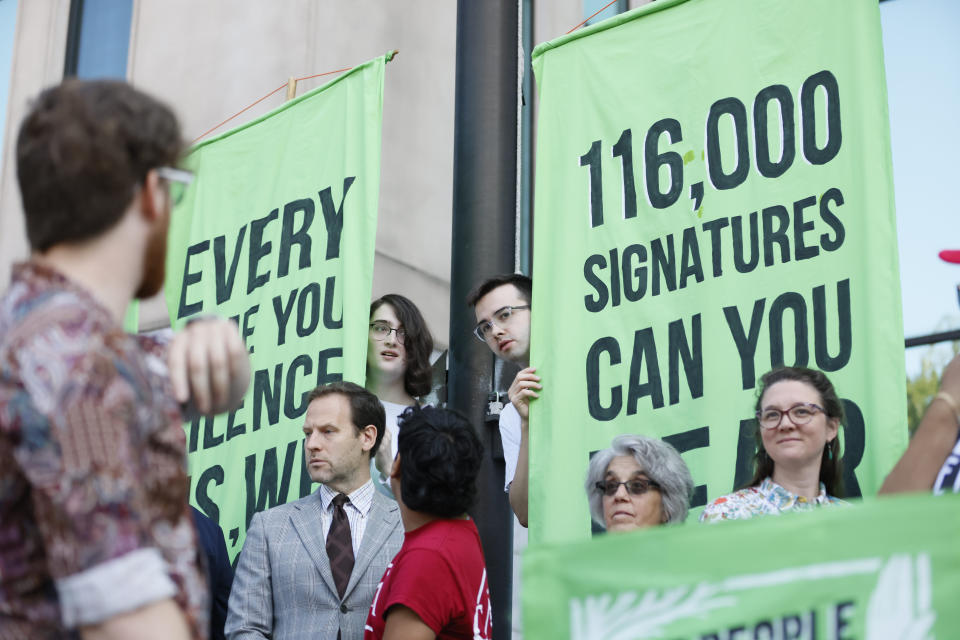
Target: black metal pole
x=484 y=206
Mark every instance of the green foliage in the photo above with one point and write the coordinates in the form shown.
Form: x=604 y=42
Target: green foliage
x=923 y=386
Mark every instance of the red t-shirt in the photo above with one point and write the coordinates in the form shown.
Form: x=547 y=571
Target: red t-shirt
x=440 y=574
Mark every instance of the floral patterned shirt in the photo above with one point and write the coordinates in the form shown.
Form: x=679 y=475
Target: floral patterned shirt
x=93 y=486
x=767 y=498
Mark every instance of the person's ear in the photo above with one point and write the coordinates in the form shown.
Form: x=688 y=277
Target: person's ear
x=368 y=437
x=833 y=427
x=153 y=197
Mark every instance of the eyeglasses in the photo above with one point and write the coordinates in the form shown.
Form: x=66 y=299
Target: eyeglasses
x=636 y=487
x=500 y=318
x=380 y=330
x=800 y=414
x=178 y=181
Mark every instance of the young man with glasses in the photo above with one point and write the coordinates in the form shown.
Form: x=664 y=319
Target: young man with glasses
x=98 y=537
x=502 y=308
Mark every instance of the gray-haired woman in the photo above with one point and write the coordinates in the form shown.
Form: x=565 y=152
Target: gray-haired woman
x=638 y=482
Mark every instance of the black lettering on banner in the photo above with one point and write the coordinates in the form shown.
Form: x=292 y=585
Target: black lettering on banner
x=184 y=309
x=825 y=361
x=598 y=411
x=234 y=430
x=209 y=439
x=624 y=150
x=841 y=620
x=854 y=443
x=688 y=441
x=282 y=312
x=323 y=359
x=690 y=257
x=614 y=278
x=828 y=82
x=746 y=452
x=589 y=274
x=289 y=237
x=652 y=161
x=802 y=251
x=746 y=341
x=329 y=322
x=592 y=159
x=781 y=95
x=835 y=196
x=692 y=358
x=226 y=276
x=795 y=303
x=736 y=633
x=634 y=275
x=193 y=437
x=308 y=309
x=258 y=251
x=246 y=328
x=714 y=227
x=215 y=475
x=266 y=393
x=291 y=408
x=333 y=217
x=767 y=628
x=644 y=361
x=735 y=109
x=741 y=265
x=665 y=263
x=792 y=628
x=268 y=495
x=778 y=235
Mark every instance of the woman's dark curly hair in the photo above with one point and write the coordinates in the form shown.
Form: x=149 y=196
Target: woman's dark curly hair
x=418 y=377
x=831 y=465
x=440 y=456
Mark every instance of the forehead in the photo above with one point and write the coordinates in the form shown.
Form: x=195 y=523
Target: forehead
x=331 y=409
x=386 y=313
x=789 y=392
x=624 y=467
x=506 y=295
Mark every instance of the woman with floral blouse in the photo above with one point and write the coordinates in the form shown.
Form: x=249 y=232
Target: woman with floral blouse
x=798 y=463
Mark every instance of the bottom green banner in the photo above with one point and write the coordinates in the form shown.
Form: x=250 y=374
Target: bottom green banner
x=887 y=568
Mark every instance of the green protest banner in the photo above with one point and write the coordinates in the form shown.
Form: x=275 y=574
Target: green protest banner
x=714 y=198
x=277 y=231
x=885 y=569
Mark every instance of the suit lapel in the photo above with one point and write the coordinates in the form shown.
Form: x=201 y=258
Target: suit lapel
x=306 y=519
x=381 y=522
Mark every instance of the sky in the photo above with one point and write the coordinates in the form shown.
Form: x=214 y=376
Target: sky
x=921 y=41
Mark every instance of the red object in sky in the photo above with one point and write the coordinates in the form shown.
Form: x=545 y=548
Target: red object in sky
x=950 y=255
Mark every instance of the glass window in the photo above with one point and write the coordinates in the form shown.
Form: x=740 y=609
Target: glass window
x=98 y=38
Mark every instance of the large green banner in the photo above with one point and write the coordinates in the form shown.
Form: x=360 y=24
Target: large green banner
x=277 y=231
x=889 y=569
x=714 y=198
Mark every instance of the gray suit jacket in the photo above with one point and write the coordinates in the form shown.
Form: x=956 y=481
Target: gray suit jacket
x=283 y=587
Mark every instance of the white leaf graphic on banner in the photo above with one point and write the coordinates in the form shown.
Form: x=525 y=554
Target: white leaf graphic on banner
x=603 y=618
x=900 y=606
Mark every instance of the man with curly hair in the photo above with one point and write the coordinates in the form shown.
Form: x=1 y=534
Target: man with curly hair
x=436 y=586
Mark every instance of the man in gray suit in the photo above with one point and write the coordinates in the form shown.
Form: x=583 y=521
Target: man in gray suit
x=297 y=577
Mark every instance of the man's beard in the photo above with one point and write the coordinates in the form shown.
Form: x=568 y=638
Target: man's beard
x=154 y=262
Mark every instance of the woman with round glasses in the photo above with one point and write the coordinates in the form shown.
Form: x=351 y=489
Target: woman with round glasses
x=798 y=463
x=398 y=367
x=638 y=482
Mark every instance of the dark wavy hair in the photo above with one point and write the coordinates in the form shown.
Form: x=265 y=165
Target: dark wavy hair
x=831 y=465
x=365 y=408
x=418 y=345
x=440 y=457
x=82 y=151
x=523 y=284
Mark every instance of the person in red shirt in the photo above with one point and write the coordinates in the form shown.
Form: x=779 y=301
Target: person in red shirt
x=436 y=586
